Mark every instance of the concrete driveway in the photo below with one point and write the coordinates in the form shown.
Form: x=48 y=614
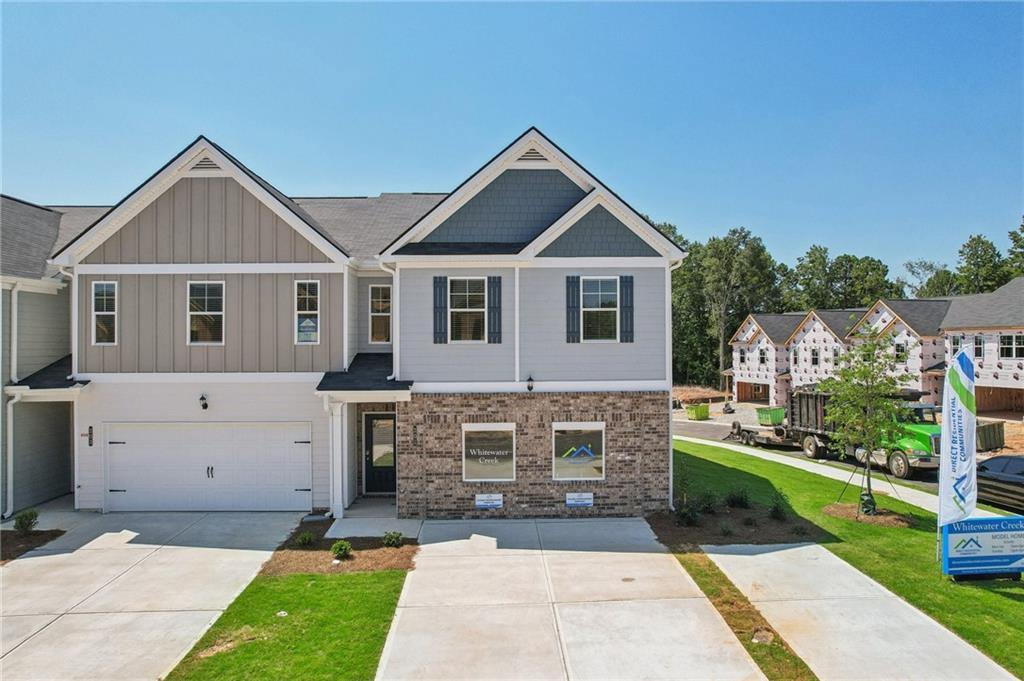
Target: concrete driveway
x=581 y=599
x=126 y=595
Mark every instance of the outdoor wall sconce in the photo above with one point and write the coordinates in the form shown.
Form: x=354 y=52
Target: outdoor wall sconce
x=203 y=402
x=529 y=384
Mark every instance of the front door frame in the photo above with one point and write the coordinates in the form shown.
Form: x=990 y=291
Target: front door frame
x=363 y=451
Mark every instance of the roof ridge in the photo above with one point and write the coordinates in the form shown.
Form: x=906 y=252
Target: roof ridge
x=27 y=203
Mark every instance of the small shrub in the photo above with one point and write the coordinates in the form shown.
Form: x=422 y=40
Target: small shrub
x=726 y=530
x=800 y=531
x=26 y=521
x=708 y=503
x=750 y=521
x=688 y=514
x=303 y=539
x=777 y=510
x=392 y=539
x=341 y=549
x=738 y=497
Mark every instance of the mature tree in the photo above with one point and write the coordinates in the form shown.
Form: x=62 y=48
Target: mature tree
x=811 y=282
x=1015 y=254
x=981 y=267
x=862 y=406
x=930 y=279
x=739 y=278
x=860 y=281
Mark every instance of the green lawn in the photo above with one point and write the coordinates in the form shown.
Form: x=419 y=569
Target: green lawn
x=335 y=629
x=990 y=615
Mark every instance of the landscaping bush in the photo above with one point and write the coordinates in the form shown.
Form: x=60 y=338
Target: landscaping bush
x=726 y=530
x=341 y=549
x=26 y=521
x=708 y=503
x=303 y=539
x=738 y=497
x=392 y=539
x=778 y=507
x=688 y=514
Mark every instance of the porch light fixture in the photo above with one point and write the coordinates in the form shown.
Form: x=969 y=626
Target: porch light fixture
x=203 y=403
x=529 y=384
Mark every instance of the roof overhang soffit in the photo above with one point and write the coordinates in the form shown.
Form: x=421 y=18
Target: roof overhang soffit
x=189 y=163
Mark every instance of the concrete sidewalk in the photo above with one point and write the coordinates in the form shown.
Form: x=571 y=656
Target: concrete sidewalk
x=551 y=599
x=843 y=624
x=914 y=497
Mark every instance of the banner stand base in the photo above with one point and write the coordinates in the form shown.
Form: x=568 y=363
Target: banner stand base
x=1012 y=576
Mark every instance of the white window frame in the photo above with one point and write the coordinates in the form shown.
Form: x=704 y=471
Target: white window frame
x=835 y=355
x=579 y=425
x=979 y=347
x=117 y=305
x=743 y=355
x=954 y=345
x=391 y=303
x=1016 y=343
x=295 y=304
x=583 y=310
x=901 y=352
x=762 y=356
x=470 y=427
x=189 y=312
x=451 y=310
x=815 y=357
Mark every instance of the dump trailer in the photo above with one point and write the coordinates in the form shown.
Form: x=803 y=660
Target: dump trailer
x=805 y=426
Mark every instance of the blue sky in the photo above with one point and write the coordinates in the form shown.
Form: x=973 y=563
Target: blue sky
x=892 y=130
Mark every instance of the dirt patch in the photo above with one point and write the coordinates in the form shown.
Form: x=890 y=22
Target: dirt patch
x=369 y=554
x=13 y=544
x=735 y=526
x=1014 y=433
x=688 y=394
x=230 y=641
x=883 y=517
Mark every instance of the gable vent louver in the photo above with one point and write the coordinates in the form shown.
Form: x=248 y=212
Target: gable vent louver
x=532 y=155
x=205 y=164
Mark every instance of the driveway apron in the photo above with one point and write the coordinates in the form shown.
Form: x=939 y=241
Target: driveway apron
x=555 y=599
x=126 y=595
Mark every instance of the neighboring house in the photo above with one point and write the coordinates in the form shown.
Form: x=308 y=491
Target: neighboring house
x=817 y=343
x=36 y=418
x=492 y=351
x=991 y=327
x=760 y=362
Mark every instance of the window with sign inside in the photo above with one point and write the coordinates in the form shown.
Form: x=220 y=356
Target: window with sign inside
x=489 y=452
x=578 y=451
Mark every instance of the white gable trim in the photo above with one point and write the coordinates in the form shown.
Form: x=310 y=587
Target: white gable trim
x=871 y=310
x=178 y=169
x=510 y=158
x=599 y=197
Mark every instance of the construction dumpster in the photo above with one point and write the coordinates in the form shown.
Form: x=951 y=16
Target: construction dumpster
x=698 y=412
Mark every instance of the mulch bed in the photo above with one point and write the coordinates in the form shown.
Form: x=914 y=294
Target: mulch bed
x=13 y=544
x=735 y=526
x=883 y=517
x=369 y=554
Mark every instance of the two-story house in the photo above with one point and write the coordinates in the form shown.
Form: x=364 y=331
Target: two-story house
x=500 y=350
x=760 y=362
x=817 y=343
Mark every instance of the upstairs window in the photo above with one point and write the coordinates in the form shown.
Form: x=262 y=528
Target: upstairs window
x=762 y=356
x=1011 y=346
x=954 y=344
x=307 y=312
x=901 y=352
x=104 y=313
x=600 y=309
x=743 y=356
x=467 y=310
x=380 y=313
x=835 y=355
x=979 y=347
x=206 y=313
x=815 y=357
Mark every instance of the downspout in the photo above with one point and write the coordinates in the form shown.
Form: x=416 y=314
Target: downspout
x=671 y=441
x=74 y=319
x=9 y=473
x=394 y=319
x=14 y=331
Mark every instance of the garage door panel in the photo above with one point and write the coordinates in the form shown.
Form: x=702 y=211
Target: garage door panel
x=209 y=466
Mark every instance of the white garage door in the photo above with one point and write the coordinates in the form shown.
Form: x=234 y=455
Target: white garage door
x=208 y=467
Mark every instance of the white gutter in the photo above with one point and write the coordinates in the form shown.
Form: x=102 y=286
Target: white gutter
x=74 y=319
x=668 y=377
x=394 y=319
x=9 y=473
x=14 y=331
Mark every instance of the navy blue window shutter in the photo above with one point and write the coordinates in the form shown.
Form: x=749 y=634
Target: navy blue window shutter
x=493 y=309
x=440 y=309
x=626 y=309
x=572 y=309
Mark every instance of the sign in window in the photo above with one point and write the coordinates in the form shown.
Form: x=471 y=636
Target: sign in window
x=578 y=451
x=488 y=452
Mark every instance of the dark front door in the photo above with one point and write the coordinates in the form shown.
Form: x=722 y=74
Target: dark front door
x=379 y=452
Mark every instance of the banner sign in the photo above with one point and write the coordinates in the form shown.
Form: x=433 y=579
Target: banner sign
x=958 y=491
x=983 y=546
x=579 y=499
x=489 y=500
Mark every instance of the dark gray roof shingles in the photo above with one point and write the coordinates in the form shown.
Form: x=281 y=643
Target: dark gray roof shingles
x=1004 y=307
x=27 y=235
x=924 y=316
x=779 y=327
x=368 y=371
x=52 y=376
x=841 y=320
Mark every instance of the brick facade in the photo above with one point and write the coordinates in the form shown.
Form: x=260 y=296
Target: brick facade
x=637 y=437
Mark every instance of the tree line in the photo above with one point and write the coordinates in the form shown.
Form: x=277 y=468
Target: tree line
x=728 y=277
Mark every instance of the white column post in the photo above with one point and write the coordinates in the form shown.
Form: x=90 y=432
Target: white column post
x=339 y=467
